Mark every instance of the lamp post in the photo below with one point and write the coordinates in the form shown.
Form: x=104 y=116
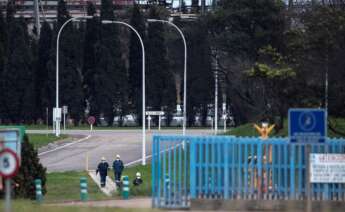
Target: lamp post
x=185 y=69
x=57 y=111
x=143 y=84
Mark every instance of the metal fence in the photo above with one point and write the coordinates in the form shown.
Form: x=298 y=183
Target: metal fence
x=222 y=167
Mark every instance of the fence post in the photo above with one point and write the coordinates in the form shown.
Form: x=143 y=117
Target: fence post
x=125 y=188
x=192 y=179
x=38 y=186
x=226 y=169
x=83 y=189
x=259 y=162
x=292 y=171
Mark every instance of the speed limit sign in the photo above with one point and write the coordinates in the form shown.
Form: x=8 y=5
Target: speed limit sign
x=9 y=163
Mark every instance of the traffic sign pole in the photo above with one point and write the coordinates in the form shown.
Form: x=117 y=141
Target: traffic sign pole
x=91 y=120
x=8 y=195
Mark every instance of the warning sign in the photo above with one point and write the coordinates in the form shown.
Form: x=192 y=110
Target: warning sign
x=327 y=168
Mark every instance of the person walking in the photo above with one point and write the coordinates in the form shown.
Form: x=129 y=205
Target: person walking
x=118 y=168
x=102 y=169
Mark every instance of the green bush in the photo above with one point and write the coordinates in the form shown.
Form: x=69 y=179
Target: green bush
x=30 y=169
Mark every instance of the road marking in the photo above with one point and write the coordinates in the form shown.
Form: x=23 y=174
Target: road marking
x=150 y=156
x=66 y=145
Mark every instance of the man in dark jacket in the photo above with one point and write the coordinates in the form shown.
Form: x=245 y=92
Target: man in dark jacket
x=118 y=168
x=102 y=168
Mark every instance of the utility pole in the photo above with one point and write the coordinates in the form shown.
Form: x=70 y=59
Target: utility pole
x=37 y=18
x=216 y=97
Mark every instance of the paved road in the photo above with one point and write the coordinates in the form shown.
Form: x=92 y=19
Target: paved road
x=107 y=143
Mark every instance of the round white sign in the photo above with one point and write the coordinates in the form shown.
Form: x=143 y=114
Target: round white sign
x=9 y=163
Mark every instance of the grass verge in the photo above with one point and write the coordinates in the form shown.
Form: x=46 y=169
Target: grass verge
x=249 y=130
x=31 y=206
x=64 y=186
x=145 y=171
x=39 y=140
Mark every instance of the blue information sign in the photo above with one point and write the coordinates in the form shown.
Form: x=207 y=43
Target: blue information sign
x=307 y=125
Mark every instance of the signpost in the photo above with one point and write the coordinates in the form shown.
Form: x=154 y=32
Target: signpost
x=224 y=116
x=91 y=120
x=57 y=120
x=10 y=144
x=327 y=168
x=308 y=126
x=64 y=111
x=154 y=113
x=9 y=163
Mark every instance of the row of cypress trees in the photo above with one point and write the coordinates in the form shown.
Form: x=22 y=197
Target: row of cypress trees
x=100 y=65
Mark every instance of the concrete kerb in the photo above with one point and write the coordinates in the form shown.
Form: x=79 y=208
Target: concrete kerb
x=110 y=187
x=135 y=203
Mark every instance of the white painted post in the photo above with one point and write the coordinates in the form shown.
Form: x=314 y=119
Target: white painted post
x=159 y=122
x=149 y=122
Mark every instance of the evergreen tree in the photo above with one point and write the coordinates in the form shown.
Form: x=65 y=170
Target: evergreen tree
x=43 y=90
x=111 y=77
x=158 y=73
x=89 y=61
x=135 y=61
x=71 y=91
x=200 y=77
x=3 y=41
x=30 y=170
x=17 y=83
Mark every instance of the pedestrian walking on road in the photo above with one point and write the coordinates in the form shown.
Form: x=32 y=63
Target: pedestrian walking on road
x=102 y=168
x=118 y=168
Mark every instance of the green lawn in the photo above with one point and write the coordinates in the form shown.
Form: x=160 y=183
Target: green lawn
x=31 y=206
x=65 y=186
x=145 y=188
x=39 y=140
x=249 y=130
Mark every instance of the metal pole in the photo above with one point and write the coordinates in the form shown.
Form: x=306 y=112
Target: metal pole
x=159 y=122
x=326 y=90
x=149 y=122
x=47 y=120
x=185 y=70
x=224 y=124
x=143 y=85
x=8 y=195
x=64 y=121
x=57 y=127
x=216 y=98
x=37 y=18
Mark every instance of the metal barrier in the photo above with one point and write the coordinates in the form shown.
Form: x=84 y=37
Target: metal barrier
x=221 y=167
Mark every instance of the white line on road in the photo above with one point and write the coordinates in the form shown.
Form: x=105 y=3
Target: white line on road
x=150 y=156
x=66 y=145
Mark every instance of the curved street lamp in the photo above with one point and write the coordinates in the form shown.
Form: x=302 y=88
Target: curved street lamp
x=185 y=69
x=143 y=84
x=57 y=121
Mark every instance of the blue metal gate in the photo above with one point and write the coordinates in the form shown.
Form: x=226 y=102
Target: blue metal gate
x=170 y=171
x=236 y=168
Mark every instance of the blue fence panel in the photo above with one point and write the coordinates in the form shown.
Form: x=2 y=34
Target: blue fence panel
x=226 y=167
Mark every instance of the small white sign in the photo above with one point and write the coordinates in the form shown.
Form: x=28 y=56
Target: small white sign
x=154 y=113
x=327 y=168
x=56 y=114
x=64 y=109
